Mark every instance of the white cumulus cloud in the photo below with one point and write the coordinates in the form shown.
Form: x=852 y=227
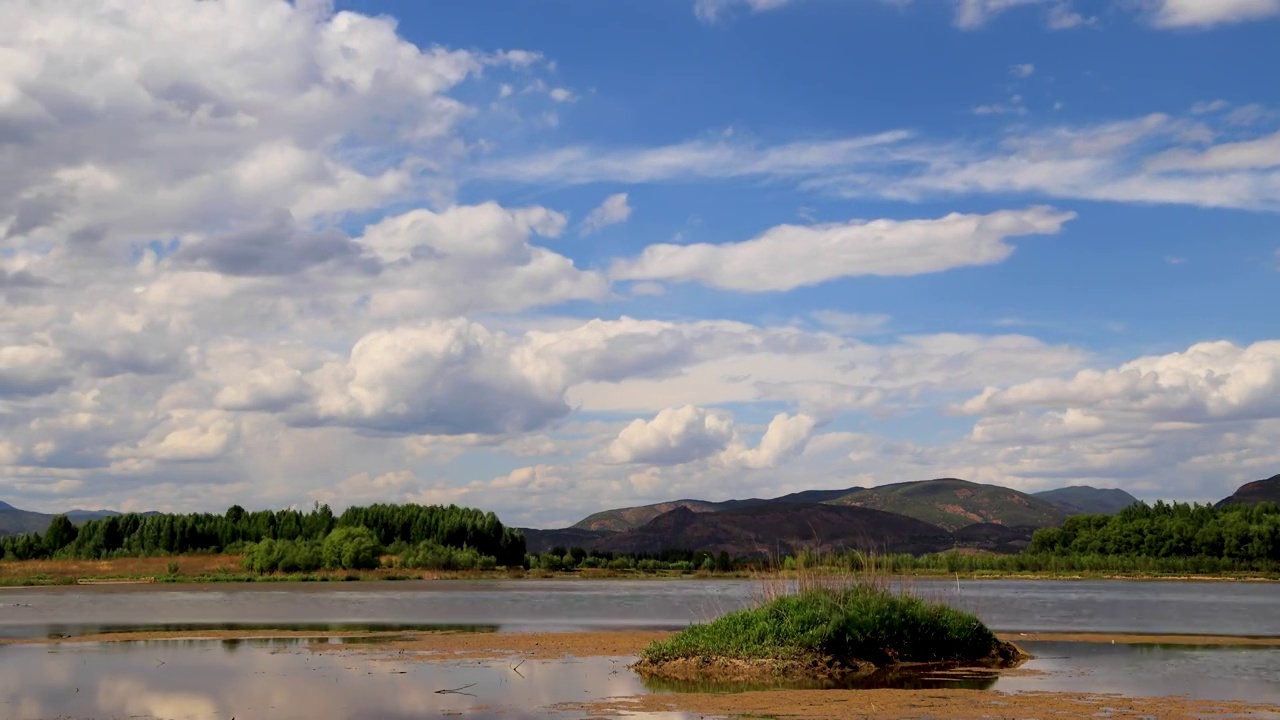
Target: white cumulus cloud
x=615 y=209
x=1208 y=13
x=676 y=436
x=1208 y=382
x=791 y=256
x=673 y=437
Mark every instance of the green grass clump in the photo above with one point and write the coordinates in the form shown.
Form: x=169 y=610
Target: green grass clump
x=856 y=623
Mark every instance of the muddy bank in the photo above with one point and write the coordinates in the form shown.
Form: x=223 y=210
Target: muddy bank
x=428 y=645
x=964 y=704
x=541 y=646
x=613 y=643
x=1005 y=656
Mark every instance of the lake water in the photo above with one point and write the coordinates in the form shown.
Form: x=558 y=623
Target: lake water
x=1208 y=608
x=282 y=679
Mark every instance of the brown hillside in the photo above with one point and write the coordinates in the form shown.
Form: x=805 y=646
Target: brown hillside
x=952 y=503
x=1255 y=492
x=633 y=517
x=774 y=528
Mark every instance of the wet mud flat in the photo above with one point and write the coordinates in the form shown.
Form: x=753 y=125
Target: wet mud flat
x=482 y=674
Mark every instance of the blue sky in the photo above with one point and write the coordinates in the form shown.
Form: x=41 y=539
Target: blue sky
x=652 y=74
x=547 y=257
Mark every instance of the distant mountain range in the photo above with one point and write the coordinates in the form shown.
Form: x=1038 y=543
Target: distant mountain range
x=921 y=516
x=771 y=528
x=17 y=522
x=1086 y=500
x=949 y=503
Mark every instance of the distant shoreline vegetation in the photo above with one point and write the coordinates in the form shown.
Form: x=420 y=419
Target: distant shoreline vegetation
x=1139 y=541
x=284 y=540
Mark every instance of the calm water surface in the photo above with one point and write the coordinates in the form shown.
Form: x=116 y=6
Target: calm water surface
x=1011 y=606
x=204 y=680
x=208 y=680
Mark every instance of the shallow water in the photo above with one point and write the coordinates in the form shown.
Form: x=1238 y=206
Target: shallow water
x=207 y=680
x=1226 y=608
x=1203 y=672
x=282 y=679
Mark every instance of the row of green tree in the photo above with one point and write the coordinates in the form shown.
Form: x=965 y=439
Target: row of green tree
x=176 y=534
x=560 y=559
x=1185 y=538
x=958 y=562
x=1240 y=534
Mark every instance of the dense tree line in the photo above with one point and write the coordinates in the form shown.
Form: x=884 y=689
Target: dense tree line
x=1237 y=533
x=434 y=556
x=236 y=529
x=1159 y=538
x=451 y=527
x=561 y=559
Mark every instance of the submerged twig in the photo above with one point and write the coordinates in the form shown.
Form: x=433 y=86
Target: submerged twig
x=456 y=691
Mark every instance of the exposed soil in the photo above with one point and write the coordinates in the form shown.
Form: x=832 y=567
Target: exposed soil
x=429 y=645
x=735 y=670
x=805 y=668
x=549 y=646
x=964 y=704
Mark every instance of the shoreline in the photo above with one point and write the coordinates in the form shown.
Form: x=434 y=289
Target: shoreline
x=550 y=644
x=201 y=569
x=11 y=578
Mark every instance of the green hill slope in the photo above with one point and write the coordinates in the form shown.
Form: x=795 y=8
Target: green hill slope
x=952 y=503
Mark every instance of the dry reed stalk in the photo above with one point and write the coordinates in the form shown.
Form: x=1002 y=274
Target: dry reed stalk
x=812 y=573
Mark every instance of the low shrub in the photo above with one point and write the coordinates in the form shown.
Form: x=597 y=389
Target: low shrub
x=433 y=556
x=860 y=623
x=286 y=556
x=351 y=548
